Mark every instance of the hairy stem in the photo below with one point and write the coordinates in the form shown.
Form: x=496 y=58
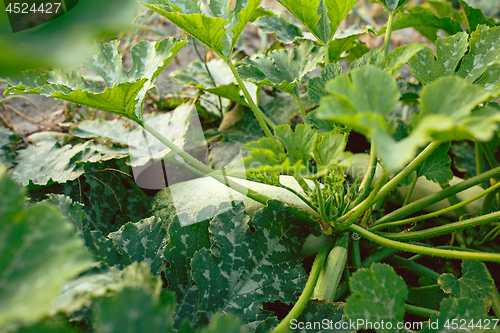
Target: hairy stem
x=297 y=309
x=388 y=33
x=419 y=311
x=299 y=102
x=430 y=251
x=261 y=117
x=206 y=169
x=436 y=197
x=443 y=229
x=492 y=189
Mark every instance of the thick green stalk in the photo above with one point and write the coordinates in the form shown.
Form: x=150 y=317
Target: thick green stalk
x=299 y=102
x=321 y=203
x=364 y=187
x=410 y=191
x=394 y=182
x=420 y=269
x=496 y=302
x=261 y=117
x=437 y=213
x=206 y=169
x=463 y=255
x=388 y=33
x=297 y=309
x=443 y=229
x=419 y=311
x=479 y=160
x=327 y=54
x=436 y=197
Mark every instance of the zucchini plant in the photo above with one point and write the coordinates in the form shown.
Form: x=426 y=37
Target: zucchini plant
x=227 y=249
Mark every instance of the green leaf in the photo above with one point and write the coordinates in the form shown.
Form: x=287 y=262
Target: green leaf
x=281 y=107
x=70 y=211
x=474 y=17
x=282 y=69
x=316 y=85
x=134 y=311
x=475 y=284
x=142 y=241
x=484 y=52
x=252 y=266
x=394 y=5
x=323 y=126
x=390 y=62
x=223 y=84
x=317 y=311
x=63 y=41
x=436 y=167
x=364 y=99
x=285 y=32
x=48 y=327
x=220 y=32
x=450 y=51
x=39 y=251
x=346 y=40
x=377 y=294
x=80 y=292
x=321 y=17
x=460 y=310
x=490 y=80
x=329 y=152
x=424 y=20
x=7 y=147
x=50 y=161
x=125 y=91
x=465 y=158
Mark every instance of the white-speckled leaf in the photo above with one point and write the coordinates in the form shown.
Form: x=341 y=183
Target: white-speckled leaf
x=7 y=147
x=125 y=91
x=249 y=266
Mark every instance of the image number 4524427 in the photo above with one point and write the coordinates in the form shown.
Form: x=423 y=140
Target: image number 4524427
x=26 y=14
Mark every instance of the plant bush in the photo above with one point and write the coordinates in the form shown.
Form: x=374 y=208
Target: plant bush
x=85 y=249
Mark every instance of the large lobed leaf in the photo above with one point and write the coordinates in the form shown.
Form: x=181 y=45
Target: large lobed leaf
x=254 y=265
x=39 y=251
x=220 y=32
x=321 y=17
x=125 y=91
x=365 y=101
x=282 y=69
x=7 y=147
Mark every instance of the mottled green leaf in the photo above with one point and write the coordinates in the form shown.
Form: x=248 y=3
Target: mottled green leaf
x=39 y=251
x=423 y=19
x=142 y=241
x=8 y=141
x=475 y=283
x=321 y=17
x=316 y=85
x=285 y=32
x=70 y=211
x=249 y=267
x=459 y=310
x=52 y=160
x=450 y=51
x=490 y=80
x=323 y=126
x=484 y=52
x=377 y=294
x=220 y=32
x=125 y=91
x=282 y=69
x=390 y=62
x=75 y=294
x=474 y=17
x=48 y=327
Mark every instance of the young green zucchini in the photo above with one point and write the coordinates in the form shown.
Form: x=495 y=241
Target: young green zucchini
x=331 y=273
